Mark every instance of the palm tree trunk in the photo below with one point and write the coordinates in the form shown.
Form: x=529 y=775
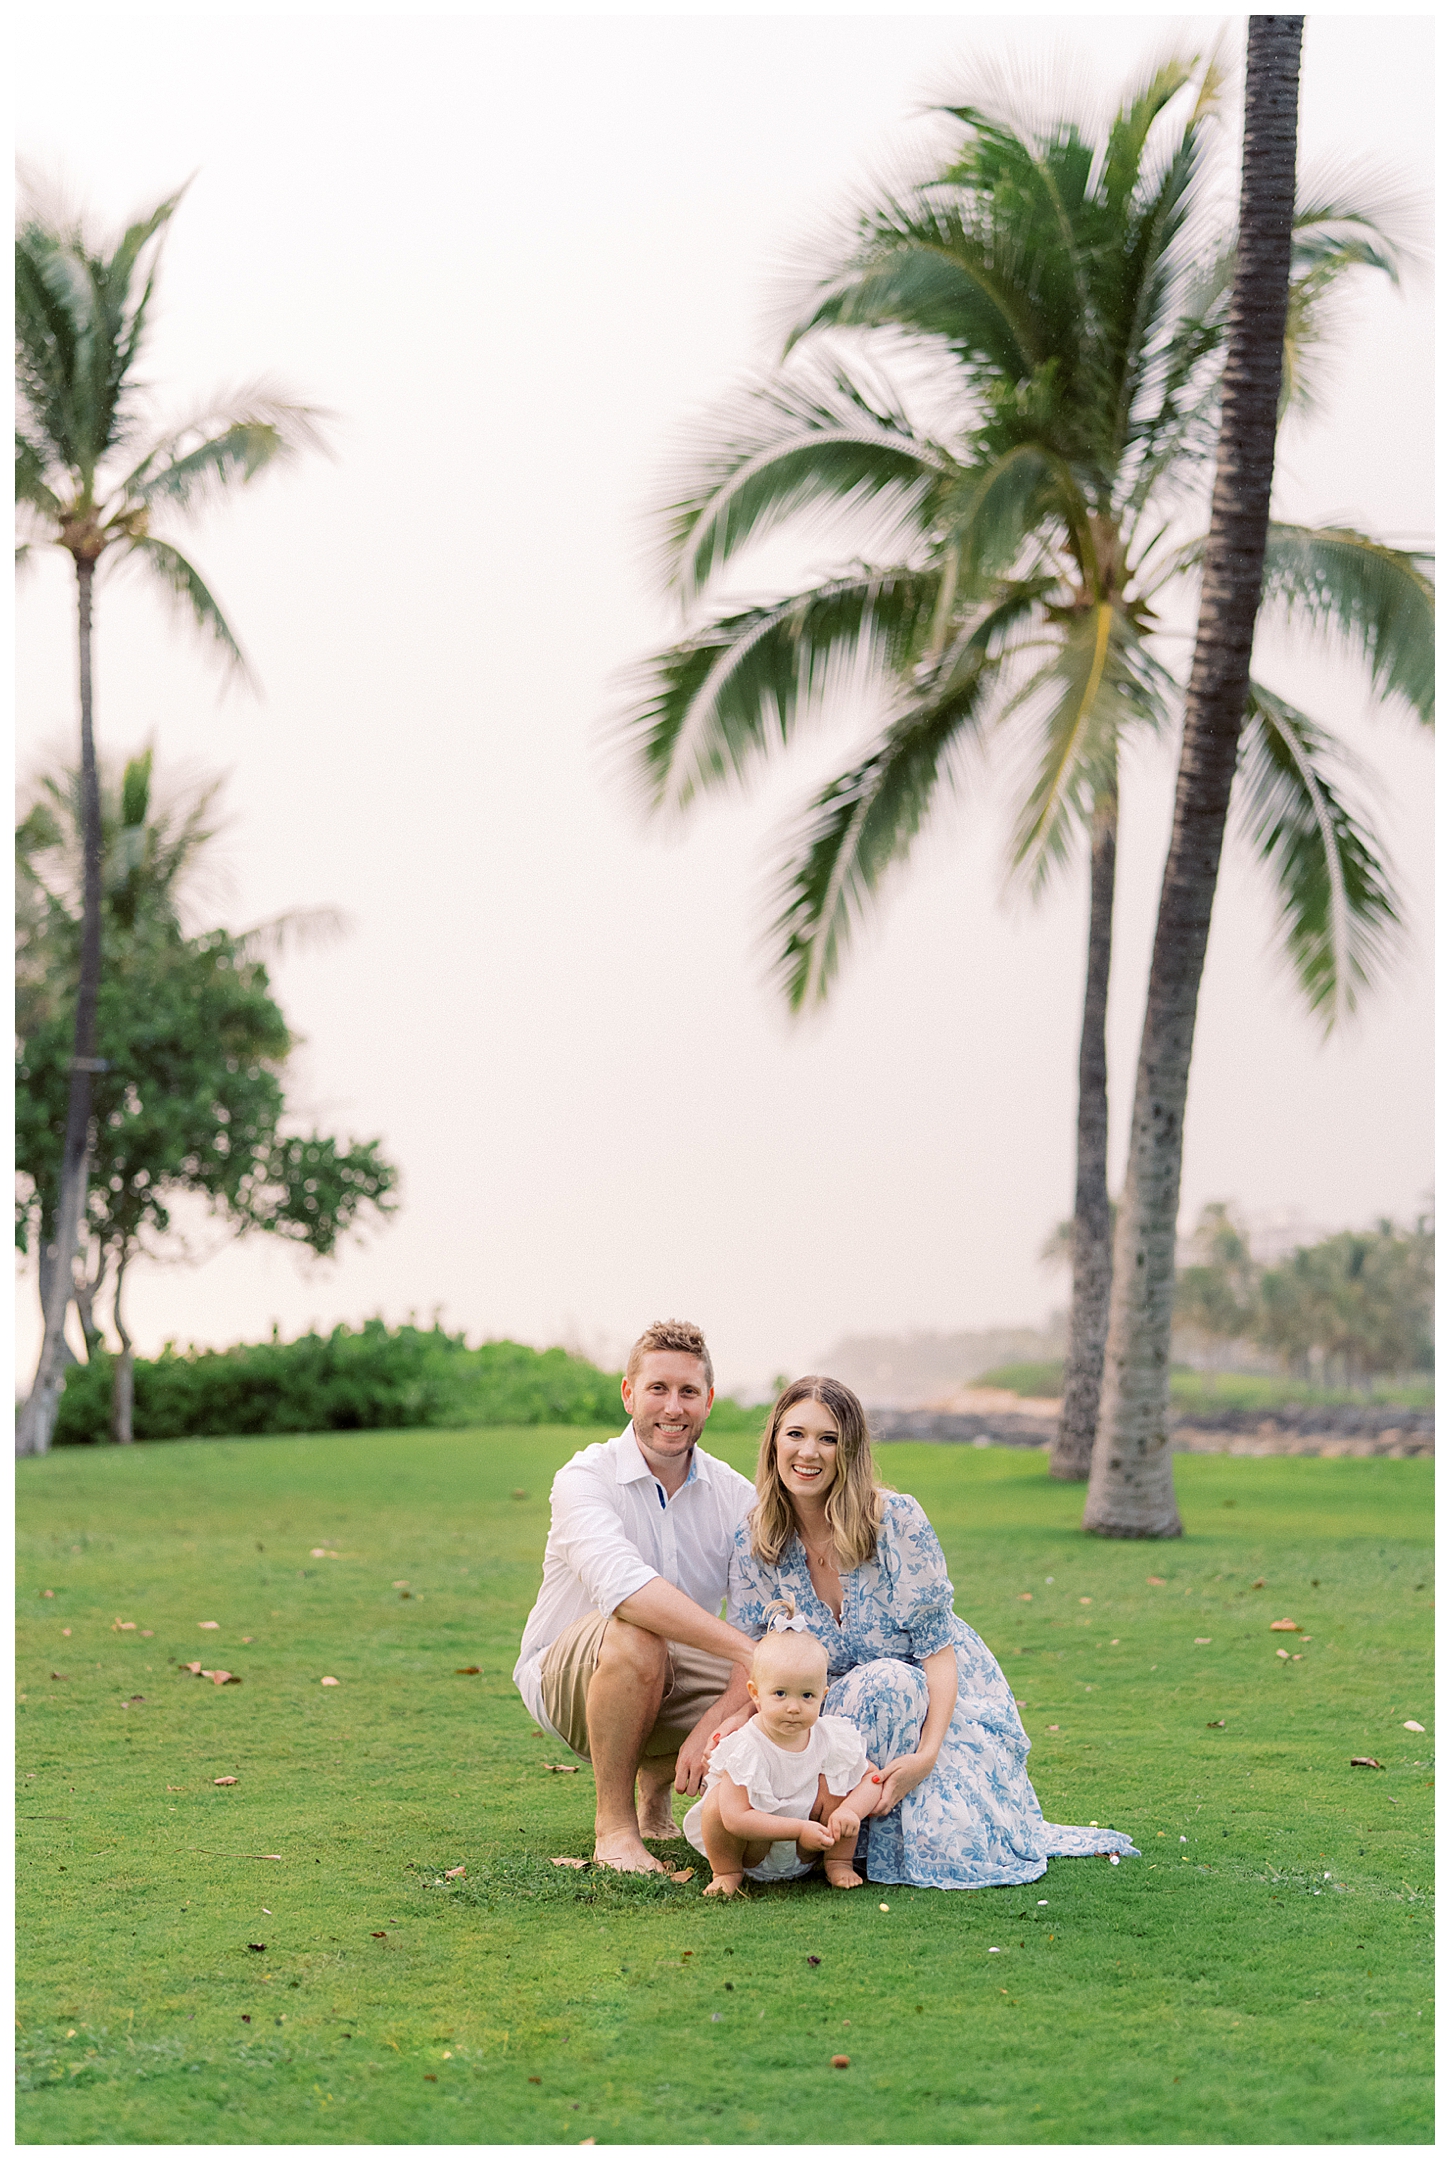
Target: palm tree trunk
x=1130 y=1489
x=37 y=1418
x=123 y=1372
x=1092 y=1236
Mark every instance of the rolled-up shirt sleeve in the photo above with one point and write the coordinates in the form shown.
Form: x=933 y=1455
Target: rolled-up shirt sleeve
x=589 y=1534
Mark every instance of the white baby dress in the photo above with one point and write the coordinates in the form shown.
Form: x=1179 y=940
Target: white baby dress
x=780 y=1783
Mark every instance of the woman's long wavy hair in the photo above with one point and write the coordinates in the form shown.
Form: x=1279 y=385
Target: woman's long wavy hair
x=853 y=1505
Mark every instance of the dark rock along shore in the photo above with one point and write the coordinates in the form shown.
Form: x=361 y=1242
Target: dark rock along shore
x=1336 y=1429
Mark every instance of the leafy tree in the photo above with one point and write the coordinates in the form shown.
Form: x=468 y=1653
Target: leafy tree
x=189 y=1094
x=92 y=476
x=1217 y=1294
x=1057 y=302
x=1363 y=1300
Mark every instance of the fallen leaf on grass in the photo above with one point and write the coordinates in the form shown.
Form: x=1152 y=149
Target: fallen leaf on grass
x=1281 y=1653
x=120 y=1627
x=518 y=1493
x=813 y=1961
x=429 y=2078
x=1411 y=1724
x=1364 y=1762
x=1024 y=1597
x=200 y=1623
x=840 y=2062
x=1159 y=1582
x=224 y=1781
x=1203 y=1641
x=380 y=1934
x=222 y=1678
x=451 y=1874
x=328 y=1681
x=1284 y=1627
x=256 y=1946
x=1211 y=1723
x=570 y=1769
x=684 y=1874
x=1259 y=1585
x=1054 y=1728
x=321 y=1552
x=194 y=1666
x=1084 y=1601
x=467 y=1668
x=60 y=1676
x=565 y=1861
x=65 y=1631
x=536 y=2081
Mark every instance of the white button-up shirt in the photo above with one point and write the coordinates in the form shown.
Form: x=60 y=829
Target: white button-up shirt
x=613 y=1528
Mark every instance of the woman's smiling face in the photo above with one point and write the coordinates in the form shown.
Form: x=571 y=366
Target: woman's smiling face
x=806 y=1448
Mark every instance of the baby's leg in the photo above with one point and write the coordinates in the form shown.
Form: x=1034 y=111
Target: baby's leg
x=729 y=1856
x=840 y=1859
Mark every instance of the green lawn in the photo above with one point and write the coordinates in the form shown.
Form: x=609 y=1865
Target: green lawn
x=1261 y=1975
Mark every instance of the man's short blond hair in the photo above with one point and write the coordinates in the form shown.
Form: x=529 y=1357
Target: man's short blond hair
x=671 y=1335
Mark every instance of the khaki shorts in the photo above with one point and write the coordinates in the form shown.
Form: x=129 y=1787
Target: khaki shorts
x=693 y=1682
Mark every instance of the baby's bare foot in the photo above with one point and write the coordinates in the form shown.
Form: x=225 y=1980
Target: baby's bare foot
x=842 y=1876
x=726 y=1885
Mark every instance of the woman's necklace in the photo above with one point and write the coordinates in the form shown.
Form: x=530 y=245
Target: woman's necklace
x=824 y=1558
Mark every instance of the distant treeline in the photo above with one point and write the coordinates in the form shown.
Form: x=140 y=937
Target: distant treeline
x=372 y=1378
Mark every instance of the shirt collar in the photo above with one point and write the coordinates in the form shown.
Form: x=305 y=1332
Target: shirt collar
x=630 y=1465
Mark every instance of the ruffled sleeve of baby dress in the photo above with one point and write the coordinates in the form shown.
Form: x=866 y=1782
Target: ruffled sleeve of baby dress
x=844 y=1761
x=742 y=1758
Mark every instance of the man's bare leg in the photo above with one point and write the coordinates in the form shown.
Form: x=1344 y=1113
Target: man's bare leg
x=656 y=1782
x=622 y=1706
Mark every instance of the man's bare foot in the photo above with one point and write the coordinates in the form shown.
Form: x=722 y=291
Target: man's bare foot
x=656 y=1819
x=727 y=1885
x=842 y=1876
x=622 y=1849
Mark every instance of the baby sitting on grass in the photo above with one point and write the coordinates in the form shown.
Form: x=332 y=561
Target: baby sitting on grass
x=791 y=1785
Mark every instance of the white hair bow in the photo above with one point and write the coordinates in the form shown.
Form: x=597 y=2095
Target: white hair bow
x=780 y=1621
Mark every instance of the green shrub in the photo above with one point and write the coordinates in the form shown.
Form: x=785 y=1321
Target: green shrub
x=363 y=1379
x=1043 y=1378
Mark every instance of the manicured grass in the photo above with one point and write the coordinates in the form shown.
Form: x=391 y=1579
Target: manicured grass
x=1200 y=1394
x=1266 y=1981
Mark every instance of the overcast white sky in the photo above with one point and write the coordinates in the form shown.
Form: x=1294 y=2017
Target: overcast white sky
x=514 y=255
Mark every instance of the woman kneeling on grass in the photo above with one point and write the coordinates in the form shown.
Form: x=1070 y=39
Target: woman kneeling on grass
x=790 y=1787
x=865 y=1572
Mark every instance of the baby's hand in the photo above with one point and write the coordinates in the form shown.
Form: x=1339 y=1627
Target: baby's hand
x=844 y=1823
x=815 y=1837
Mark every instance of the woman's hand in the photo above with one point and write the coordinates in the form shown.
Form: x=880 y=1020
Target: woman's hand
x=902 y=1775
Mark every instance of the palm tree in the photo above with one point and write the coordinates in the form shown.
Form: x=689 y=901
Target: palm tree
x=90 y=477
x=1059 y=300
x=1130 y=1489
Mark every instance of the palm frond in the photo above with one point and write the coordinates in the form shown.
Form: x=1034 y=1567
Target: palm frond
x=186 y=586
x=305 y=929
x=231 y=441
x=859 y=826
x=1100 y=682
x=704 y=712
x=1339 y=914
x=30 y=482
x=1378 y=599
x=865 y=821
x=801 y=444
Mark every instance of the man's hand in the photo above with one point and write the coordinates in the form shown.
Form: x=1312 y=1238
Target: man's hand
x=693 y=1759
x=815 y=1837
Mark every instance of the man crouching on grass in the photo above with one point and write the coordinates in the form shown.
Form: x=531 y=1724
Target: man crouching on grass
x=624 y=1658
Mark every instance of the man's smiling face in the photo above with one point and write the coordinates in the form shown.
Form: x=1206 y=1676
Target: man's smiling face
x=668 y=1402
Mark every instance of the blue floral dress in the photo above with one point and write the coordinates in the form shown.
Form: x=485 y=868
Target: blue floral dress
x=975 y=1819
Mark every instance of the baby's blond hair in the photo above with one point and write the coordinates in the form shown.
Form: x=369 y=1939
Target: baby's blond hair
x=786 y=1648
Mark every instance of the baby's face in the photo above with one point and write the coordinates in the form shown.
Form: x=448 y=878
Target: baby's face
x=788 y=1697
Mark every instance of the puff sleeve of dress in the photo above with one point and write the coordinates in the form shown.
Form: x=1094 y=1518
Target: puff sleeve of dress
x=844 y=1761
x=738 y=1756
x=752 y=1587
x=920 y=1589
